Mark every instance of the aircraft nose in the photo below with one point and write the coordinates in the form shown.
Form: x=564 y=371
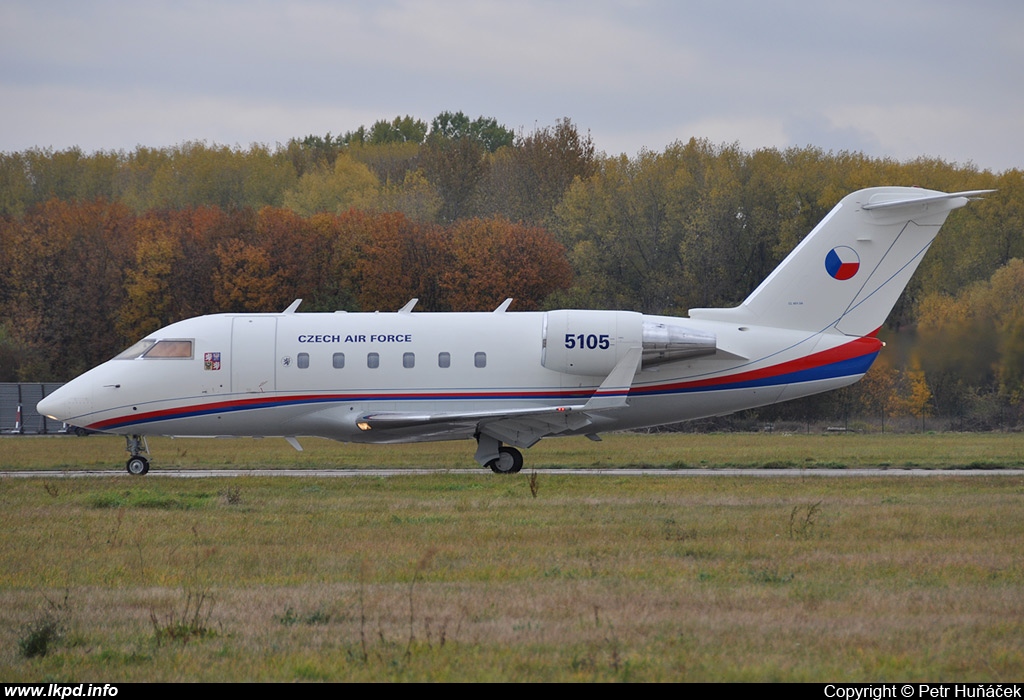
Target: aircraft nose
x=63 y=405
x=52 y=406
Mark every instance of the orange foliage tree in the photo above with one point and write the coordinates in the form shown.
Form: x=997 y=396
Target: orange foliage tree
x=492 y=259
x=65 y=266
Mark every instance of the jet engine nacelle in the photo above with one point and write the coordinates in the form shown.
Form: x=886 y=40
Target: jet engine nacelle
x=592 y=342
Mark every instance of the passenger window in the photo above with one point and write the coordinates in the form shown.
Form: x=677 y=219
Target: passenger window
x=339 y=360
x=444 y=359
x=409 y=360
x=480 y=359
x=373 y=360
x=302 y=360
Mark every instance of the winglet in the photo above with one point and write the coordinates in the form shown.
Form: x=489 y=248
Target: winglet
x=614 y=390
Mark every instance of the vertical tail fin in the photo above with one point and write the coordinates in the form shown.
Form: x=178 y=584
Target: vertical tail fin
x=849 y=271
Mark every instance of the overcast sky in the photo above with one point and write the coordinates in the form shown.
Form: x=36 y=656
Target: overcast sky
x=893 y=78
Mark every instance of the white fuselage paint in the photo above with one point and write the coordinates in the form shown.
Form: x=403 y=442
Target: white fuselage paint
x=262 y=387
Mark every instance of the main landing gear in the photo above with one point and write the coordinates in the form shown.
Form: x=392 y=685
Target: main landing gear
x=510 y=461
x=500 y=459
x=137 y=464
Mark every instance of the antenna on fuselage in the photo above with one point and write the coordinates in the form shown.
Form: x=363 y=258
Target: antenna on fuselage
x=407 y=309
x=503 y=307
x=292 y=307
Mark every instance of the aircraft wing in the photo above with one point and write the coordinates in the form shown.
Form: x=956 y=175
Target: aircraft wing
x=521 y=427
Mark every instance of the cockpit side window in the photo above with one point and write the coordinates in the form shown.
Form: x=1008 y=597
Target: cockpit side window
x=137 y=350
x=158 y=349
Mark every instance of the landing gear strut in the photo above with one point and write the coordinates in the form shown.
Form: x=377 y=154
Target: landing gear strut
x=137 y=464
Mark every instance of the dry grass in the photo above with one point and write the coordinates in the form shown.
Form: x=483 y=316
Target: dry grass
x=475 y=577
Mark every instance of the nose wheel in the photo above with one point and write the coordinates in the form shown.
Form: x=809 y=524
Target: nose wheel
x=135 y=445
x=138 y=465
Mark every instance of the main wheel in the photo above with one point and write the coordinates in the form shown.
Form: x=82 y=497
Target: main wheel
x=509 y=461
x=138 y=465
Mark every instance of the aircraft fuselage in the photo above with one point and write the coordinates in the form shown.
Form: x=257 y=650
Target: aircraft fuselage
x=300 y=374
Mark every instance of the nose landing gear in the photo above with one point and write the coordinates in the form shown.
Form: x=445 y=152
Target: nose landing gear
x=137 y=465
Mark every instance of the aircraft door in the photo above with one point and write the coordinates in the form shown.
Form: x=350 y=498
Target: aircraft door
x=253 y=354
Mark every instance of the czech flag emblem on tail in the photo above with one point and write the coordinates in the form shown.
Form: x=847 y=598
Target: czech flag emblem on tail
x=842 y=262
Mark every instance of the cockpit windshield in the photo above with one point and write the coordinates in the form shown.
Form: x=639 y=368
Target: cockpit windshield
x=158 y=349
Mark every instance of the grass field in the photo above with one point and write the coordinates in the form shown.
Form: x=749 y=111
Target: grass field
x=475 y=577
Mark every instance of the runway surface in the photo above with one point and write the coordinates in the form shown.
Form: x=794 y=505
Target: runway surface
x=379 y=473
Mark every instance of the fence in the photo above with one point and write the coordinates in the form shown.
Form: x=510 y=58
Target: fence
x=18 y=414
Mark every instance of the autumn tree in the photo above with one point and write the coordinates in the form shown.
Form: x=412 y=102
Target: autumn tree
x=526 y=182
x=454 y=167
x=877 y=391
x=394 y=263
x=454 y=159
x=489 y=260
x=243 y=280
x=624 y=230
x=347 y=185
x=175 y=258
x=917 y=397
x=66 y=263
x=150 y=298
x=972 y=337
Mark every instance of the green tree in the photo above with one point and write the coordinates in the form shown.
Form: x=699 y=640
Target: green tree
x=486 y=131
x=15 y=185
x=399 y=130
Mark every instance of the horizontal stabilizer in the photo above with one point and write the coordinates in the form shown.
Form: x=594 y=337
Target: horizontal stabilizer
x=895 y=201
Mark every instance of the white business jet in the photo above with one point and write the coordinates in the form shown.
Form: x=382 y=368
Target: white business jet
x=508 y=379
